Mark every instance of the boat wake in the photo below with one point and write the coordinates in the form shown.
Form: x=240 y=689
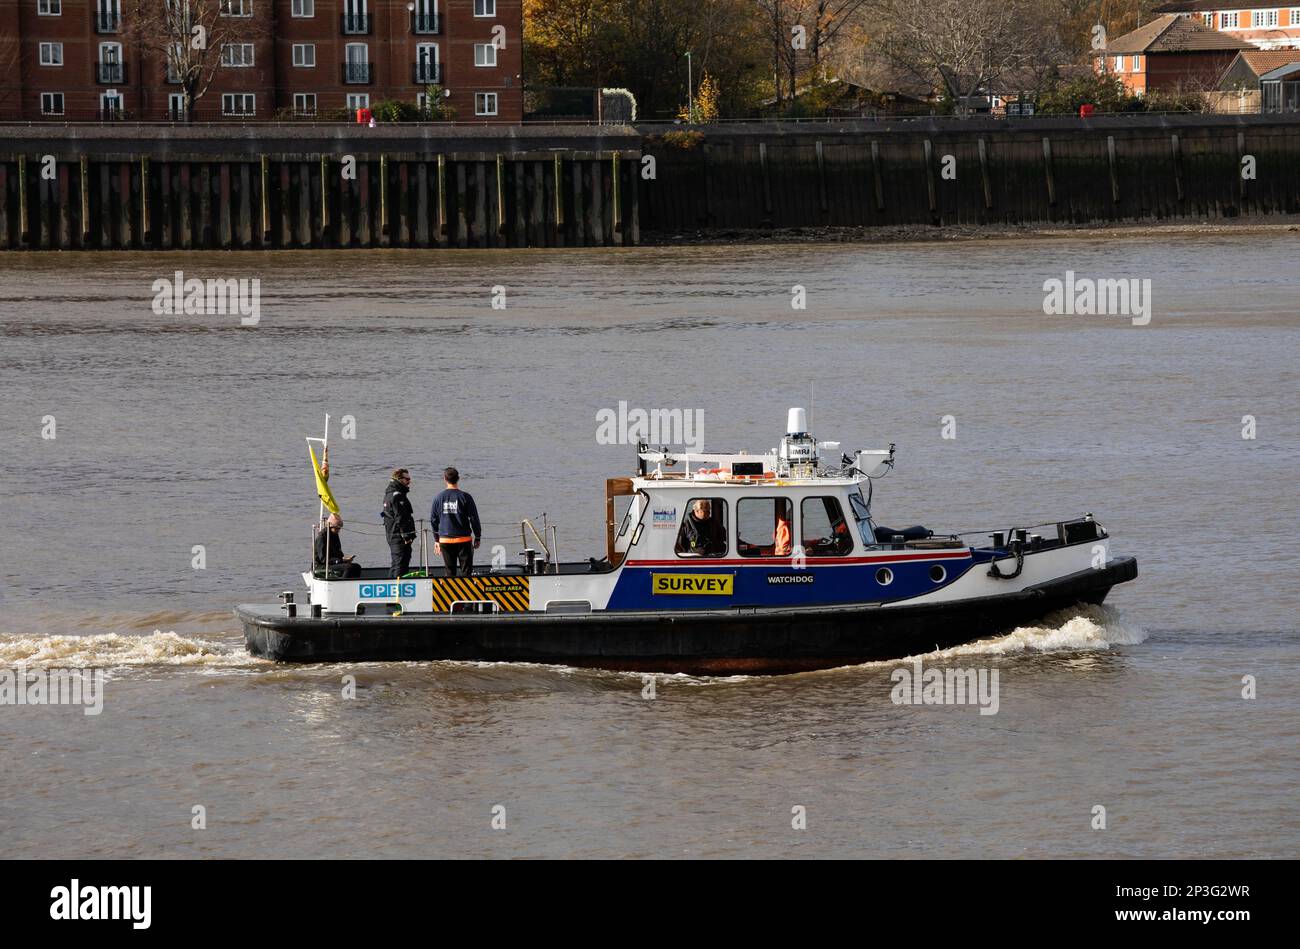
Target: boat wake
x=116 y=649
x=1079 y=629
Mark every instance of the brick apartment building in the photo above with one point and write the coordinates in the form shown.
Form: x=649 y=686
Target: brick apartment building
x=75 y=60
x=1264 y=25
x=1172 y=52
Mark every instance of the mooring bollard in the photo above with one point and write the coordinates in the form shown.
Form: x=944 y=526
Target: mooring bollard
x=876 y=176
x=1114 y=172
x=984 y=175
x=1047 y=168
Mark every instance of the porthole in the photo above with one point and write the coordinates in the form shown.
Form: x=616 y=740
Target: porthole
x=938 y=574
x=884 y=576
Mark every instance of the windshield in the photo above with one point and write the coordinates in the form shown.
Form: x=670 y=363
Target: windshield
x=863 y=516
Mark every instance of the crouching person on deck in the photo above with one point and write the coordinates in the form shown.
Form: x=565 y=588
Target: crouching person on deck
x=456 y=527
x=399 y=521
x=329 y=560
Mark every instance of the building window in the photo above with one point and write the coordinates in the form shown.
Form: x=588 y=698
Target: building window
x=356 y=66
x=176 y=107
x=1119 y=64
x=1136 y=64
x=52 y=8
x=485 y=54
x=304 y=8
x=358 y=100
x=424 y=18
x=1208 y=19
x=1263 y=18
x=238 y=103
x=110 y=105
x=485 y=7
x=237 y=54
x=236 y=7
x=51 y=54
x=1294 y=15
x=304 y=54
x=426 y=64
x=1228 y=21
x=304 y=103
x=51 y=103
x=485 y=103
x=110 y=69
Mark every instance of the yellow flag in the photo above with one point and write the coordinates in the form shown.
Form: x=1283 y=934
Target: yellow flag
x=322 y=489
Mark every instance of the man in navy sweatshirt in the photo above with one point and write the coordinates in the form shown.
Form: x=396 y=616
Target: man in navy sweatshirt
x=456 y=527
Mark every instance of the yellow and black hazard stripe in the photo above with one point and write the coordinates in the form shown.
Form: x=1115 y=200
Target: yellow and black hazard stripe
x=510 y=594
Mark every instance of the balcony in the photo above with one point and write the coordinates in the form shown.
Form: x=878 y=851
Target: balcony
x=356 y=24
x=356 y=73
x=110 y=74
x=426 y=24
x=108 y=21
x=425 y=74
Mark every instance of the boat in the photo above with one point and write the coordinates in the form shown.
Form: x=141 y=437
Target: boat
x=785 y=569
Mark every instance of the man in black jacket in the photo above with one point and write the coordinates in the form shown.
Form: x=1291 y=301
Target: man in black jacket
x=399 y=521
x=702 y=535
x=330 y=562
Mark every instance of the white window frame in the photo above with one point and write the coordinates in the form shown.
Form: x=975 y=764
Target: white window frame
x=300 y=103
x=303 y=9
x=229 y=7
x=1229 y=21
x=434 y=57
x=47 y=105
x=55 y=50
x=481 y=52
x=112 y=94
x=228 y=101
x=1293 y=14
x=50 y=8
x=1119 y=64
x=481 y=101
x=308 y=51
x=489 y=8
x=1135 y=64
x=358 y=100
x=176 y=106
x=243 y=60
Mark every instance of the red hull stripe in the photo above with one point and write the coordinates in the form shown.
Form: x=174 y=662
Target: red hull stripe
x=781 y=561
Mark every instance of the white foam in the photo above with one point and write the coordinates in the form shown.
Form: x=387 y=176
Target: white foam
x=115 y=649
x=1084 y=628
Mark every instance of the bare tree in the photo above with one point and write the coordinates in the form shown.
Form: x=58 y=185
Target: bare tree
x=965 y=46
x=829 y=18
x=189 y=35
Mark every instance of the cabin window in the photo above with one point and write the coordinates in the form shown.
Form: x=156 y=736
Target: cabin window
x=862 y=514
x=822 y=528
x=704 y=529
x=764 y=527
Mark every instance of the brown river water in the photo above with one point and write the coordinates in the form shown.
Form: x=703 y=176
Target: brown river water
x=173 y=431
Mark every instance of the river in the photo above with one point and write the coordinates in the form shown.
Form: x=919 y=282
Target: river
x=178 y=444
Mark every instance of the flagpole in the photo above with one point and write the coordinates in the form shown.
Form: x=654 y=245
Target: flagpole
x=325 y=460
